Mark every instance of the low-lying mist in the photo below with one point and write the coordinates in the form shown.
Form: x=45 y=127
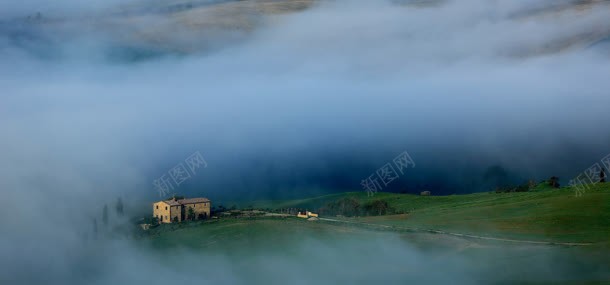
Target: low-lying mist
x=295 y=104
x=360 y=258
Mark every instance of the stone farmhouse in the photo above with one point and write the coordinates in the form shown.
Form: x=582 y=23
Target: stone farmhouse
x=178 y=210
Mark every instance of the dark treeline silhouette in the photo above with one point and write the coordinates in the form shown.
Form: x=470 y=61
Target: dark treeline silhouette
x=105 y=215
x=119 y=207
x=351 y=207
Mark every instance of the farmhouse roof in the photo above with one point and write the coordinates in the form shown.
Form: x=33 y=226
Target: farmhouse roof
x=193 y=200
x=171 y=202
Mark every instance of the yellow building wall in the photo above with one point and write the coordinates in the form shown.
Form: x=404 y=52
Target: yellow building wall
x=199 y=209
x=162 y=212
x=175 y=213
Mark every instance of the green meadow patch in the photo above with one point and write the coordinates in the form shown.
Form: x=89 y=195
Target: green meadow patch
x=544 y=214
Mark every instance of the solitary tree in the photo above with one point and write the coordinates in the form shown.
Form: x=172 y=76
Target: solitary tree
x=191 y=214
x=94 y=228
x=531 y=184
x=348 y=206
x=119 y=207
x=380 y=207
x=554 y=182
x=105 y=215
x=602 y=176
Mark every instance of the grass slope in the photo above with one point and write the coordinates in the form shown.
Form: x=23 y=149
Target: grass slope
x=260 y=246
x=543 y=214
x=242 y=236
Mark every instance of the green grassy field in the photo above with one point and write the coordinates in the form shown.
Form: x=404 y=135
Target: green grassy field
x=542 y=214
x=318 y=247
x=552 y=215
x=555 y=215
x=259 y=234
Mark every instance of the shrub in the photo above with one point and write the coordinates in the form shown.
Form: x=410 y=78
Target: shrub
x=191 y=214
x=346 y=206
x=554 y=181
x=376 y=208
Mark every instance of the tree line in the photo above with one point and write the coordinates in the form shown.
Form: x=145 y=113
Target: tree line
x=351 y=207
x=118 y=208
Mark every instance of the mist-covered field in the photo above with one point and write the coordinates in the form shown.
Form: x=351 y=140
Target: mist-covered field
x=288 y=99
x=268 y=250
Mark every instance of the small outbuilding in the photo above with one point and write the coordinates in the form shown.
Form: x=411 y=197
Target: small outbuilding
x=306 y=214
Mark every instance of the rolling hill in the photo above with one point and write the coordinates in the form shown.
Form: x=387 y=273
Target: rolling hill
x=543 y=214
x=530 y=218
